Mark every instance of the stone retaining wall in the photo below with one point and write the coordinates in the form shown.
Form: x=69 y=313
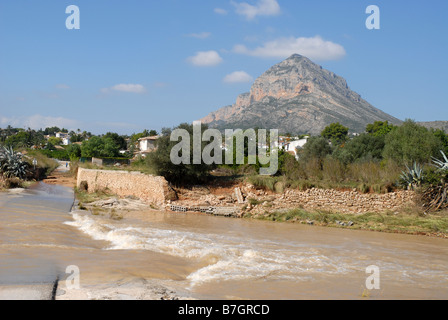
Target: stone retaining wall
x=151 y=189
x=260 y=201
x=349 y=201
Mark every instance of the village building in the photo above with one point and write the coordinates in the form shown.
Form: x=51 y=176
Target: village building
x=146 y=145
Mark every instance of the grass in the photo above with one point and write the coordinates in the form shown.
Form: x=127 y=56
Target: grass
x=139 y=166
x=279 y=184
x=85 y=197
x=409 y=221
x=365 y=177
x=46 y=164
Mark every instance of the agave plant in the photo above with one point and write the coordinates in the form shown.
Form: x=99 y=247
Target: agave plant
x=12 y=164
x=442 y=166
x=412 y=177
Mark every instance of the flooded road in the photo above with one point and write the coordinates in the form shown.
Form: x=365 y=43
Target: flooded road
x=208 y=257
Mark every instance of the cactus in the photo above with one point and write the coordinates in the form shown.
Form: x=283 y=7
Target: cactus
x=442 y=166
x=12 y=164
x=412 y=177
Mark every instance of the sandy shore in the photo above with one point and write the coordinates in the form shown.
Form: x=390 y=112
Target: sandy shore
x=27 y=292
x=139 y=289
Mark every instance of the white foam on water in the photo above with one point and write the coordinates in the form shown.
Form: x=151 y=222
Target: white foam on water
x=226 y=257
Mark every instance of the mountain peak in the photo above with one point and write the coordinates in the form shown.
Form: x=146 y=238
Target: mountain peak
x=295 y=56
x=298 y=96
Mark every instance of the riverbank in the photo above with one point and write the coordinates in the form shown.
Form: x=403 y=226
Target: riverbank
x=399 y=213
x=411 y=221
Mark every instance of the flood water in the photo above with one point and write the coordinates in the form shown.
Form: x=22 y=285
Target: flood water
x=209 y=257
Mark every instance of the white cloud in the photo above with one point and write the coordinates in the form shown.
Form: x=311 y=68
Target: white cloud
x=202 y=35
x=314 y=48
x=38 y=121
x=261 y=8
x=220 y=11
x=129 y=88
x=238 y=77
x=205 y=59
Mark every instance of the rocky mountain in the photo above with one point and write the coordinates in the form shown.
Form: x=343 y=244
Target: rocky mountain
x=443 y=125
x=298 y=96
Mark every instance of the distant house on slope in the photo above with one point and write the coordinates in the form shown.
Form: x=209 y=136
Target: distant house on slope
x=293 y=146
x=65 y=137
x=147 y=145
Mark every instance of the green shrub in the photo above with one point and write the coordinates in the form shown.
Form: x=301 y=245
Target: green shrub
x=187 y=174
x=12 y=164
x=411 y=143
x=315 y=148
x=335 y=132
x=364 y=147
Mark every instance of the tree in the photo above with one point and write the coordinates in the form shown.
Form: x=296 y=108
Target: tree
x=74 y=151
x=76 y=138
x=411 y=143
x=92 y=147
x=118 y=140
x=335 y=132
x=362 y=147
x=379 y=128
x=160 y=161
x=111 y=148
x=52 y=131
x=108 y=146
x=443 y=137
x=55 y=141
x=22 y=139
x=316 y=147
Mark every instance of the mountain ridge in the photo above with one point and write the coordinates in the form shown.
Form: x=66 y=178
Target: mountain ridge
x=298 y=96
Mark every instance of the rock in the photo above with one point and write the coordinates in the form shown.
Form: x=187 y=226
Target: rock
x=239 y=195
x=83 y=186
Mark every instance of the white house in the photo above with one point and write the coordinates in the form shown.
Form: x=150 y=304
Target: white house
x=62 y=135
x=147 y=144
x=294 y=145
x=66 y=141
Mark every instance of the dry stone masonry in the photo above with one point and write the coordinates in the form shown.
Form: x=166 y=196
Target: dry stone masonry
x=150 y=189
x=156 y=190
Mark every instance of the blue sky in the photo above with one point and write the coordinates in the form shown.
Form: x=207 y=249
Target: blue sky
x=137 y=65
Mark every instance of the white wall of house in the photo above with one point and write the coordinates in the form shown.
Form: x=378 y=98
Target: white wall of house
x=294 y=145
x=66 y=141
x=146 y=145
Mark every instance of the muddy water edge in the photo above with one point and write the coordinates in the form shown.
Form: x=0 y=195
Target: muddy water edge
x=207 y=257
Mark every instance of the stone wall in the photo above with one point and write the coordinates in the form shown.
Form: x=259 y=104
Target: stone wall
x=348 y=201
x=260 y=201
x=151 y=189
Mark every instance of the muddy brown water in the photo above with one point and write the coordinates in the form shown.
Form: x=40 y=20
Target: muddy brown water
x=210 y=257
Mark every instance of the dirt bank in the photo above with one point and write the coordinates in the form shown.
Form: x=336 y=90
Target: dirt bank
x=61 y=176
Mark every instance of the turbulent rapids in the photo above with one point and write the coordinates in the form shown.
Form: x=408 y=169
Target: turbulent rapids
x=208 y=257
